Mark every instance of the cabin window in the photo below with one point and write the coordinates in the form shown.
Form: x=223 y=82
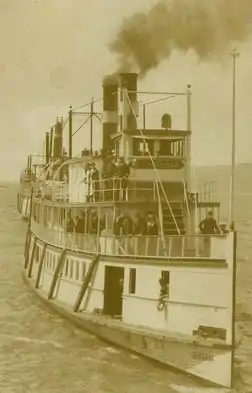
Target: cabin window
x=165 y=148
x=132 y=280
x=71 y=268
x=66 y=267
x=140 y=148
x=165 y=275
x=171 y=148
x=83 y=271
x=77 y=270
x=54 y=261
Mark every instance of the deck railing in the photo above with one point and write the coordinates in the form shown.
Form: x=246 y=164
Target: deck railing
x=100 y=191
x=137 y=246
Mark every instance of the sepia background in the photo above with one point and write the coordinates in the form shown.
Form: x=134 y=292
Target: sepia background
x=55 y=53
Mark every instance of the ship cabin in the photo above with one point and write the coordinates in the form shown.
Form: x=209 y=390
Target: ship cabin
x=154 y=268
x=158 y=184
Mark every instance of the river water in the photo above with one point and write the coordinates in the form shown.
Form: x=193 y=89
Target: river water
x=40 y=352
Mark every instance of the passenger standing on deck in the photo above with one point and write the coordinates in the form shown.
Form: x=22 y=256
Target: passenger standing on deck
x=108 y=173
x=208 y=226
x=123 y=171
x=151 y=232
x=86 y=181
x=123 y=228
x=139 y=224
x=80 y=229
x=151 y=227
x=94 y=194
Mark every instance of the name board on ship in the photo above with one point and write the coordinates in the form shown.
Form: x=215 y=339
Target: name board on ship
x=159 y=163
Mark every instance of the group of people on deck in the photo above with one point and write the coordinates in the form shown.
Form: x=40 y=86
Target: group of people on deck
x=143 y=224
x=114 y=176
x=84 y=223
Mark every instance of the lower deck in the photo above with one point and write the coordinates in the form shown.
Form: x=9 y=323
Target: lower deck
x=197 y=292
x=122 y=298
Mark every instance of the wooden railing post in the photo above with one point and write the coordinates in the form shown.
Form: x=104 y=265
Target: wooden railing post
x=32 y=254
x=32 y=258
x=86 y=282
x=56 y=274
x=27 y=247
x=40 y=266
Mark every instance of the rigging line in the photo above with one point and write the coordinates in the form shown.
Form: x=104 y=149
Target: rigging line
x=154 y=166
x=97 y=116
x=85 y=121
x=87 y=104
x=161 y=219
x=187 y=204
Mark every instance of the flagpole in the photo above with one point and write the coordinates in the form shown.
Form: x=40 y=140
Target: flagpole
x=234 y=54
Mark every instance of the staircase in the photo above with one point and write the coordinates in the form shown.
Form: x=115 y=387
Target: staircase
x=168 y=222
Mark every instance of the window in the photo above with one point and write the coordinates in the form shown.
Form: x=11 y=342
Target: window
x=66 y=267
x=165 y=148
x=165 y=275
x=71 y=268
x=171 y=148
x=83 y=271
x=132 y=281
x=77 y=270
x=140 y=148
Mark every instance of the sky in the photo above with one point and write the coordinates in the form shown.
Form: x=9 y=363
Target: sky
x=55 y=53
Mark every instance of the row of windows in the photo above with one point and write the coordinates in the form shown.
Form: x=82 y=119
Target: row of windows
x=166 y=147
x=76 y=270
x=73 y=269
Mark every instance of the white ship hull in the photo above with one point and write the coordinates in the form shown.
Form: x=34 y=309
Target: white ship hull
x=59 y=287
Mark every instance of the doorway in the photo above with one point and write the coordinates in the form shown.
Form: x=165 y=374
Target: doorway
x=113 y=290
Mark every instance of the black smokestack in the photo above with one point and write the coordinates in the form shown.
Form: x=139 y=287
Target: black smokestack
x=58 y=139
x=110 y=110
x=129 y=81
x=207 y=27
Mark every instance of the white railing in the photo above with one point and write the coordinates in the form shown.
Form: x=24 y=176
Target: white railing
x=100 y=191
x=137 y=245
x=207 y=192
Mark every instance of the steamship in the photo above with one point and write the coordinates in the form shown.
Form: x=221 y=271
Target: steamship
x=167 y=296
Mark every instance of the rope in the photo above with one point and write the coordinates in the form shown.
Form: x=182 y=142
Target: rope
x=87 y=104
x=85 y=121
x=160 y=212
x=154 y=166
x=187 y=205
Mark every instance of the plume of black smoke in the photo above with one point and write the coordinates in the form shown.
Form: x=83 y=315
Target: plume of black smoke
x=206 y=26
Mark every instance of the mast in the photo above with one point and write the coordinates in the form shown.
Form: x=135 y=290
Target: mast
x=234 y=54
x=70 y=136
x=91 y=125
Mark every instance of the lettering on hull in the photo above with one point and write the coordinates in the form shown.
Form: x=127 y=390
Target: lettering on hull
x=203 y=356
